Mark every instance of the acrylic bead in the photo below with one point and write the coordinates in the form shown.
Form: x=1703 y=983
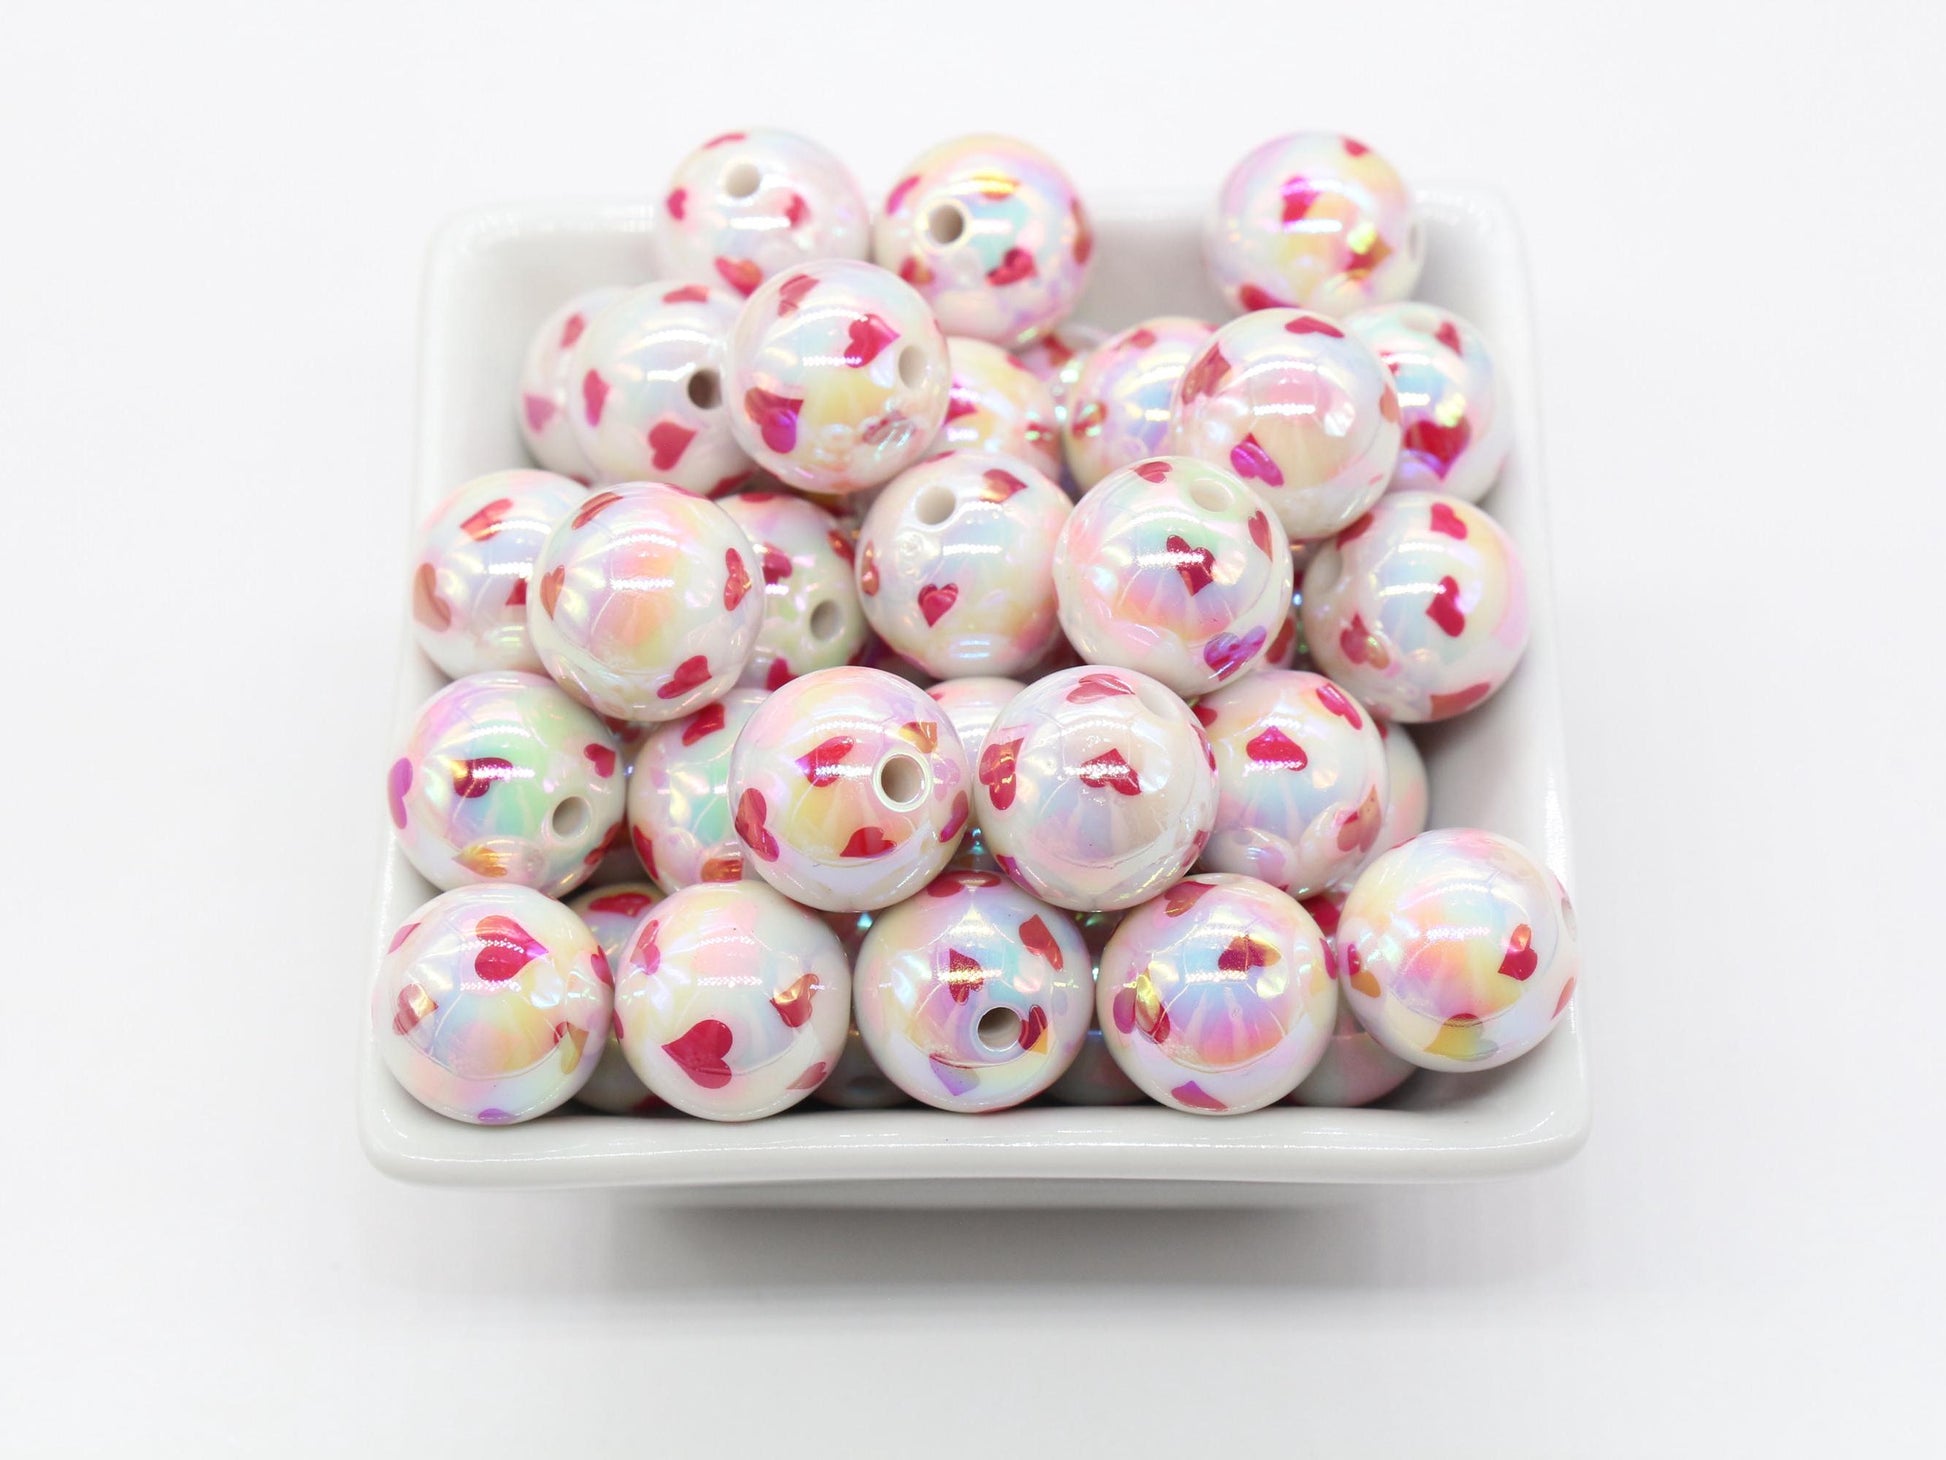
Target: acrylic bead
x=973 y=996
x=1121 y=396
x=1057 y=359
x=1419 y=608
x=1355 y=1069
x=1174 y=567
x=1096 y=789
x=993 y=233
x=645 y=602
x=1302 y=411
x=998 y=404
x=1457 y=421
x=1458 y=950
x=849 y=788
x=955 y=564
x=731 y=1002
x=612 y=914
x=545 y=393
x=1317 y=220
x=812 y=617
x=679 y=816
x=973 y=704
x=503 y=778
x=492 y=1004
x=472 y=560
x=836 y=377
x=1408 y=792
x=1216 y=997
x=1094 y=1078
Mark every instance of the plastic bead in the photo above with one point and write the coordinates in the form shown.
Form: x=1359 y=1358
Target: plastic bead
x=1355 y=1068
x=473 y=557
x=1096 y=789
x=1094 y=1078
x=613 y=914
x=645 y=602
x=1457 y=421
x=1419 y=608
x=679 y=817
x=732 y=1003
x=1459 y=950
x=1175 y=567
x=1299 y=409
x=837 y=377
x=1057 y=359
x=503 y=778
x=487 y=1004
x=973 y=704
x=998 y=404
x=1122 y=395
x=973 y=996
x=1408 y=792
x=544 y=394
x=849 y=788
x=955 y=564
x=1217 y=997
x=812 y=617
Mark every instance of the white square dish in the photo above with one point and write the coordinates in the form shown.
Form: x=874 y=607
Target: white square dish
x=491 y=276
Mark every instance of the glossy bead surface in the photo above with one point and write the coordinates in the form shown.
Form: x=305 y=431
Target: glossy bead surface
x=998 y=404
x=955 y=564
x=992 y=232
x=1057 y=359
x=1355 y=1069
x=836 y=377
x=1216 y=997
x=1453 y=405
x=1174 y=567
x=973 y=996
x=747 y=205
x=973 y=704
x=1094 y=1078
x=492 y=1004
x=1314 y=219
x=612 y=914
x=472 y=560
x=1122 y=393
x=503 y=778
x=812 y=617
x=1419 y=608
x=849 y=788
x=545 y=392
x=1458 y=950
x=732 y=1003
x=1302 y=411
x=646 y=602
x=1095 y=789
x=1408 y=791
x=679 y=815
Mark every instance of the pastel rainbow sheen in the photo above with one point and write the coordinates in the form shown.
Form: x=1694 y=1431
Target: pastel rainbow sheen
x=998 y=404
x=732 y=1003
x=836 y=377
x=1355 y=1068
x=1304 y=412
x=542 y=399
x=646 y=602
x=812 y=618
x=1419 y=608
x=1174 y=567
x=848 y=789
x=612 y=914
x=973 y=996
x=1216 y=997
x=1458 y=950
x=645 y=389
x=856 y=1082
x=1094 y=1078
x=747 y=205
x=492 y=1004
x=993 y=233
x=1057 y=359
x=504 y=778
x=1454 y=408
x=1122 y=395
x=1096 y=789
x=955 y=564
x=973 y=704
x=1408 y=790
x=471 y=563
x=1314 y=219
x=680 y=818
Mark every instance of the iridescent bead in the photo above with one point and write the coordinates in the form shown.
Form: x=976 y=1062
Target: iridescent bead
x=545 y=393
x=680 y=819
x=1453 y=405
x=998 y=404
x=812 y=617
x=612 y=914
x=1121 y=395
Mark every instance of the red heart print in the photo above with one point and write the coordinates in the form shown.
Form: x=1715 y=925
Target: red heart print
x=622 y=904
x=774 y=416
x=1122 y=1009
x=398 y=938
x=1280 y=647
x=750 y=825
x=1196 y=565
x=1204 y=713
x=1196 y=1097
x=1109 y=769
x=1449 y=336
x=1274 y=748
x=791 y=293
x=778 y=675
x=996 y=772
x=723 y=867
x=820 y=763
x=484 y=523
x=1361 y=646
x=720 y=139
x=1139 y=338
x=703 y=724
x=960 y=404
x=1016 y=264
x=593 y=508
x=776 y=564
x=1097 y=686
x=414 y=1005
x=868 y=569
x=793 y=1003
x=601 y=757
x=1227 y=653
x=964 y=974
x=1313 y=324
x=1260 y=533
x=1520 y=960
x=551 y=582
x=840 y=544
x=1439 y=447
x=688 y=294
x=644 y=851
x=1244 y=953
x=955 y=817
x=427 y=606
x=867 y=841
x=699 y=1053
x=740 y=274
x=1355 y=148
x=1325 y=910
x=594 y=396
x=865 y=339
x=956 y=1078
x=1356 y=530
x=812 y=1077
x=915 y=272
x=645 y=954
x=1298 y=195
x=475 y=777
x=1037 y=937
x=1033 y=1028
x=1253 y=298
x=1444 y=609
x=1001 y=484
x=1444 y=705
x=505 y=948
x=922 y=733
x=1249 y=459
x=900 y=189
x=539 y=410
x=1340 y=704
x=1356 y=974
x=796 y=210
x=1084 y=236
x=692 y=672
x=1567 y=992
x=1360 y=829
x=935 y=599
x=1209 y=756
x=736 y=579
x=677 y=202
x=1205 y=374
x=571 y=329
x=667 y=443
x=1151 y=471
x=1183 y=896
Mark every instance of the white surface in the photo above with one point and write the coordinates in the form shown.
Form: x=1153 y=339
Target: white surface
x=207 y=282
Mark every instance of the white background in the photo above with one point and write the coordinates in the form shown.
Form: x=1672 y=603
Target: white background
x=212 y=225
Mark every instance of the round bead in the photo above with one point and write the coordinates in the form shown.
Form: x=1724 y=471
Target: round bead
x=487 y=1004
x=1057 y=359
x=544 y=393
x=956 y=564
x=973 y=704
x=837 y=377
x=1175 y=567
x=747 y=205
x=1299 y=409
x=973 y=996
x=812 y=617
x=1459 y=950
x=1419 y=608
x=1300 y=776
x=1317 y=220
x=474 y=555
x=992 y=232
x=679 y=795
x=1457 y=423
x=1216 y=997
x=645 y=603
x=503 y=778
x=1094 y=1078
x=1408 y=792
x=1122 y=393
x=1355 y=1068
x=998 y=404
x=1096 y=789
x=732 y=1003
x=849 y=788
x=612 y=914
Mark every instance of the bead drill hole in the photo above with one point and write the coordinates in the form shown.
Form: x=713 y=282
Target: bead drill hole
x=570 y=818
x=912 y=367
x=705 y=391
x=1209 y=496
x=901 y=782
x=826 y=619
x=934 y=506
x=946 y=224
x=998 y=1029
x=741 y=179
